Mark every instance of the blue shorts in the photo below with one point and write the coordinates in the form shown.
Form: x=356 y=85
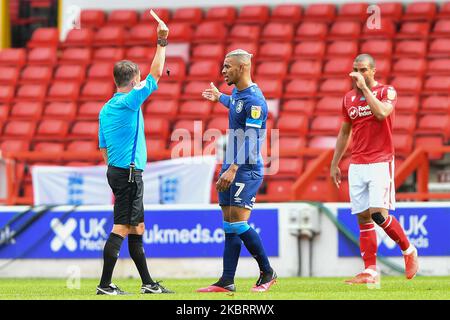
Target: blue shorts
x=242 y=191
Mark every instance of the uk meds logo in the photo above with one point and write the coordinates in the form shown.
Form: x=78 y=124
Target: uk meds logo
x=63 y=234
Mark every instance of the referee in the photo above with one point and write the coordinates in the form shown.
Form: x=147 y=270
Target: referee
x=122 y=143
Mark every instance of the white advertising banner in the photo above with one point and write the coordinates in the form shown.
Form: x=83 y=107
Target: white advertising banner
x=176 y=181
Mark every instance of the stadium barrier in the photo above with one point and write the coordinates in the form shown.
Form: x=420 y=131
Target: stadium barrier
x=301 y=239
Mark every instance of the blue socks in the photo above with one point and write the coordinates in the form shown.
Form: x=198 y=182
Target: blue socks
x=231 y=252
x=253 y=243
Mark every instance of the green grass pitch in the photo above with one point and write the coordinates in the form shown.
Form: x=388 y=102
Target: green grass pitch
x=420 y=288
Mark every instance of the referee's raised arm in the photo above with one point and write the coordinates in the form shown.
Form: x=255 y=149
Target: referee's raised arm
x=157 y=67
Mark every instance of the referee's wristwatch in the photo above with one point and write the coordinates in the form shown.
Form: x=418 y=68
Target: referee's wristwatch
x=163 y=42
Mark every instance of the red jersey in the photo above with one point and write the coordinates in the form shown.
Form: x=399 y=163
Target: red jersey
x=372 y=138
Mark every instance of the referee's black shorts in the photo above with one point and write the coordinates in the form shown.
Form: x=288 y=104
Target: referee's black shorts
x=128 y=203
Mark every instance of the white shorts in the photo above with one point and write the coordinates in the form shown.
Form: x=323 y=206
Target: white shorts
x=371 y=186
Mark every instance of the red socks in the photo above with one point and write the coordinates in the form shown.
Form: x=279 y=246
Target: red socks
x=395 y=231
x=368 y=245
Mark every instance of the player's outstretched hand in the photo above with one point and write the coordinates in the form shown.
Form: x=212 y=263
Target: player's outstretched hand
x=335 y=174
x=212 y=93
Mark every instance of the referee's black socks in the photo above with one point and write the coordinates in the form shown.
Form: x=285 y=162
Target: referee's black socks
x=138 y=255
x=110 y=255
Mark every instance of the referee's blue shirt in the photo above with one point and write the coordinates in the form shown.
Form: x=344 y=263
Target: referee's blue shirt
x=118 y=121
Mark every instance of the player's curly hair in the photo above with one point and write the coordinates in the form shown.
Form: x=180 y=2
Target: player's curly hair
x=124 y=72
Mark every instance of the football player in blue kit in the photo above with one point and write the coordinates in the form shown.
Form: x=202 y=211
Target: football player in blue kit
x=242 y=170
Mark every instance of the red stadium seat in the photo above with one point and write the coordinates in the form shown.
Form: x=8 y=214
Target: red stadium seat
x=383 y=67
x=219 y=123
x=275 y=51
x=335 y=86
x=272 y=89
x=326 y=125
x=271 y=69
x=386 y=29
x=177 y=69
x=329 y=105
x=14 y=145
x=320 y=12
x=437 y=84
x=439 y=48
x=14 y=57
x=353 y=11
x=156 y=127
x=414 y=30
x=36 y=75
x=6 y=93
x=340 y=67
x=345 y=30
x=89 y=110
x=82 y=146
x=280 y=188
x=4 y=113
x=444 y=10
x=109 y=36
x=163 y=14
x=42 y=56
x=439 y=67
x=63 y=91
x=204 y=70
x=407 y=104
x=305 y=69
x=92 y=18
x=141 y=34
x=60 y=110
x=79 y=38
x=411 y=48
x=108 y=54
x=298 y=106
x=286 y=13
x=344 y=48
x=140 y=54
x=209 y=51
x=181 y=32
x=410 y=66
x=48 y=147
x=194 y=89
x=310 y=30
x=434 y=124
x=101 y=71
x=288 y=167
x=155 y=145
x=378 y=48
x=211 y=32
x=31 y=92
x=125 y=18
x=310 y=49
x=420 y=11
x=26 y=110
x=80 y=56
x=292 y=125
x=435 y=104
x=244 y=33
x=17 y=129
x=290 y=144
x=225 y=88
x=403 y=144
x=72 y=73
x=84 y=130
x=219 y=110
x=226 y=15
x=250 y=47
x=167 y=90
x=391 y=10
x=278 y=31
x=405 y=123
x=258 y=14
x=162 y=108
x=189 y=15
x=323 y=142
x=194 y=109
x=300 y=88
x=44 y=37
x=430 y=141
x=406 y=84
x=9 y=75
x=97 y=91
